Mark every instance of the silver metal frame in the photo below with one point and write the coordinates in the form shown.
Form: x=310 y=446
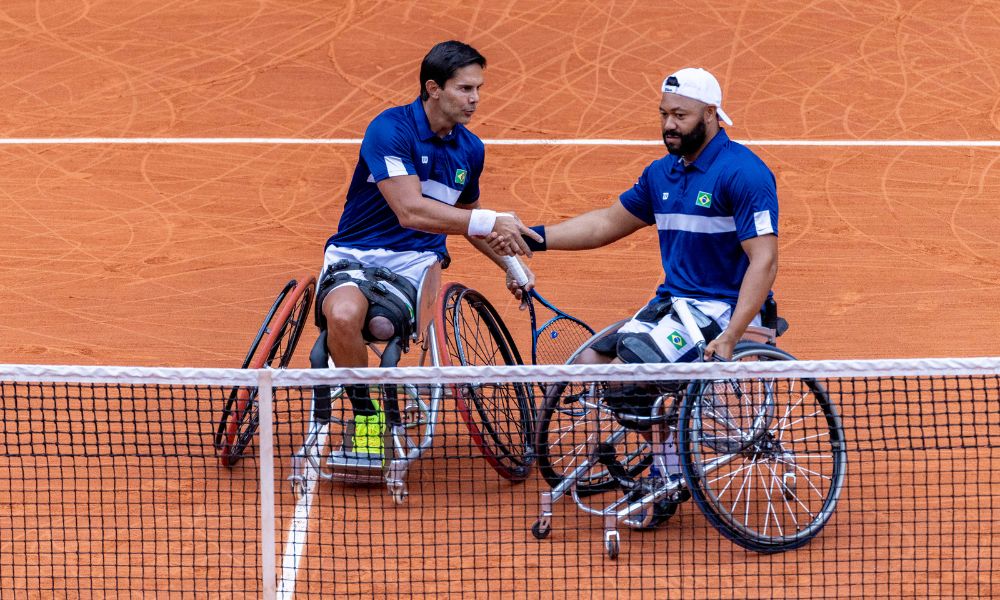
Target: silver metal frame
x=404 y=447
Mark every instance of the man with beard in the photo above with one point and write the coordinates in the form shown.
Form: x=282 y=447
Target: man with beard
x=715 y=206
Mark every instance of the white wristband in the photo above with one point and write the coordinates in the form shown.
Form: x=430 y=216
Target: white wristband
x=481 y=222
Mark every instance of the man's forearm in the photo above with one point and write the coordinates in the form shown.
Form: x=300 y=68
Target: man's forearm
x=753 y=292
x=484 y=247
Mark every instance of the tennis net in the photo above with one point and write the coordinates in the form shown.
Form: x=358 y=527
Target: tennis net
x=793 y=479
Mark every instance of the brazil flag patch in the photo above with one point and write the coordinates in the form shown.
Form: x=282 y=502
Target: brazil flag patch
x=704 y=199
x=460 y=176
x=677 y=340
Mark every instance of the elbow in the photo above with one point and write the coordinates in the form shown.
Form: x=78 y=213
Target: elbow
x=411 y=219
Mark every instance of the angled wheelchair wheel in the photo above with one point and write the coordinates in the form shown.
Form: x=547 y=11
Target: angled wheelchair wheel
x=569 y=429
x=764 y=457
x=272 y=347
x=499 y=415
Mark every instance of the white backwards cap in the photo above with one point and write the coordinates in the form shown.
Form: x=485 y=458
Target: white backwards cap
x=697 y=84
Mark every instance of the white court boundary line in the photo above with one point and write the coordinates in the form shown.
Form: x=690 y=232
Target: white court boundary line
x=59 y=141
x=297 y=534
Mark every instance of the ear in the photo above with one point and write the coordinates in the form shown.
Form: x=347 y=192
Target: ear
x=711 y=114
x=433 y=89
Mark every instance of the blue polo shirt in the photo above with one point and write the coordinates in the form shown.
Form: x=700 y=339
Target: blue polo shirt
x=702 y=212
x=398 y=142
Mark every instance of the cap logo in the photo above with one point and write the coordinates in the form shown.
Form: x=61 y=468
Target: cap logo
x=671 y=85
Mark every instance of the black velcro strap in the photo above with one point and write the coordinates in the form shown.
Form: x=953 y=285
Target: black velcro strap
x=532 y=244
x=334 y=275
x=638 y=348
x=654 y=311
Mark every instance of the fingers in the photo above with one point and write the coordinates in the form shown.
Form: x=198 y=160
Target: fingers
x=525 y=230
x=509 y=227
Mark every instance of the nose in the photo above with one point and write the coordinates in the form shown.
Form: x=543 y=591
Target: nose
x=474 y=97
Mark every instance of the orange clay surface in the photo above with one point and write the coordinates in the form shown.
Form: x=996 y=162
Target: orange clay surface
x=168 y=255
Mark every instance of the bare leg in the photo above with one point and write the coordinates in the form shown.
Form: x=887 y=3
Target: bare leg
x=345 y=309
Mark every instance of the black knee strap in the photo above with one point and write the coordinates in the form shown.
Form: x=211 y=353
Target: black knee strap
x=634 y=348
x=389 y=295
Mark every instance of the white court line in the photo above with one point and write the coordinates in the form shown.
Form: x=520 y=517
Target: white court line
x=298 y=532
x=55 y=141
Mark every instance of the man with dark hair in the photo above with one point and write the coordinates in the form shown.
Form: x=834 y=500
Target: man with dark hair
x=415 y=183
x=715 y=206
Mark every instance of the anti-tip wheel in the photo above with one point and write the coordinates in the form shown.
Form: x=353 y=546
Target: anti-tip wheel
x=541 y=530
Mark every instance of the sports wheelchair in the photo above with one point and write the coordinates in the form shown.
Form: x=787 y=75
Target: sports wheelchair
x=454 y=327
x=763 y=457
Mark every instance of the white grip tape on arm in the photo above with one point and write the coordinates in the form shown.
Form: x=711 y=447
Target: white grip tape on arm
x=481 y=222
x=516 y=270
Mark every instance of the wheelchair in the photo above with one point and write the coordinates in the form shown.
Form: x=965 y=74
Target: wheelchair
x=764 y=457
x=453 y=326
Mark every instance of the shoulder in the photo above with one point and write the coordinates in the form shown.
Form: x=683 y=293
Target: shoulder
x=659 y=167
x=743 y=159
x=743 y=165
x=390 y=120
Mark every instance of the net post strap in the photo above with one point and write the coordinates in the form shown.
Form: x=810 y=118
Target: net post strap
x=265 y=387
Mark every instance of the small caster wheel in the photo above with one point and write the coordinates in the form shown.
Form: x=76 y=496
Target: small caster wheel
x=612 y=547
x=611 y=544
x=541 y=530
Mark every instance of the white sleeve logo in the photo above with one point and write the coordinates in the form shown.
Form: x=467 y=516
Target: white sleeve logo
x=394 y=165
x=762 y=222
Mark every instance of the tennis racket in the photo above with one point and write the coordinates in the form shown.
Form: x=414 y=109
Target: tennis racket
x=555 y=334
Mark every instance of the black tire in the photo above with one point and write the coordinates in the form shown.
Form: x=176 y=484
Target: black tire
x=769 y=478
x=499 y=416
x=272 y=347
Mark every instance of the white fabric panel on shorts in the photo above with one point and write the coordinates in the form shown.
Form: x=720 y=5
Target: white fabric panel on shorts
x=694 y=223
x=671 y=337
x=394 y=166
x=409 y=264
x=762 y=222
x=358 y=275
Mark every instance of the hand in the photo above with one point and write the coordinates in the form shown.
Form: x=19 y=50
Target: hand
x=721 y=347
x=509 y=230
x=519 y=292
x=498 y=244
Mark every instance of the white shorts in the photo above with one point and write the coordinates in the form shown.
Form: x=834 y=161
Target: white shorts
x=409 y=264
x=670 y=335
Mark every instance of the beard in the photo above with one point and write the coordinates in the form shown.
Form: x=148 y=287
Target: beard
x=689 y=142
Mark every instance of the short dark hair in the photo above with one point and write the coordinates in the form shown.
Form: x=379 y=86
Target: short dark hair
x=443 y=60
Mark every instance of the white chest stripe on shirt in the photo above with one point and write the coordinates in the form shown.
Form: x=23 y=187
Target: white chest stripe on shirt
x=434 y=189
x=439 y=191
x=695 y=223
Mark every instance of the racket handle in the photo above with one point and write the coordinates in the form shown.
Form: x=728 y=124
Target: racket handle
x=516 y=270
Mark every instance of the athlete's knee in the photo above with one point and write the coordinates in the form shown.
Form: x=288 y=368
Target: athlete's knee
x=589 y=356
x=344 y=316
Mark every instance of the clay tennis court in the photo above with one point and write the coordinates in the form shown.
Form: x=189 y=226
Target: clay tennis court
x=168 y=254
